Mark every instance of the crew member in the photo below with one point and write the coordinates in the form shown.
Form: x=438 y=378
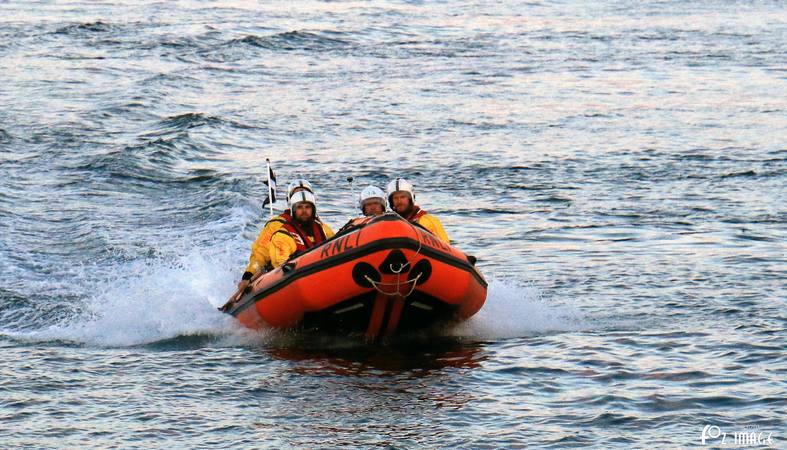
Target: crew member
x=401 y=197
x=302 y=231
x=260 y=259
x=372 y=203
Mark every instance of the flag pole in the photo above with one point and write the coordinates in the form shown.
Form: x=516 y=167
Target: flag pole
x=270 y=187
x=352 y=189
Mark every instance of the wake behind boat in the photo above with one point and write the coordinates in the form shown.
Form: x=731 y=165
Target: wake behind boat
x=379 y=279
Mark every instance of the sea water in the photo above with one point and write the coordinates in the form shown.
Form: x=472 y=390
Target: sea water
x=618 y=168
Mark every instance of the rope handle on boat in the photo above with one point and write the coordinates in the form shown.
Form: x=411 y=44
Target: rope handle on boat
x=420 y=244
x=401 y=267
x=376 y=284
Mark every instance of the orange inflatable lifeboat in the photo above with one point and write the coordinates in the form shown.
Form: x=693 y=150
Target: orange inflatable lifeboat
x=381 y=278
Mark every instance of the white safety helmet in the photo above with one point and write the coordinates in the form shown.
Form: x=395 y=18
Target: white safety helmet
x=300 y=197
x=371 y=192
x=304 y=184
x=400 y=185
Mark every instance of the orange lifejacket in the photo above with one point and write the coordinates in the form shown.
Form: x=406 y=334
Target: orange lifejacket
x=299 y=236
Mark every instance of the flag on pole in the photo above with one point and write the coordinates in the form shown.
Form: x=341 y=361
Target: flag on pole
x=271 y=183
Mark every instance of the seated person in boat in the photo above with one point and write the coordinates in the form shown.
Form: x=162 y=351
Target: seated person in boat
x=260 y=259
x=401 y=197
x=372 y=203
x=300 y=232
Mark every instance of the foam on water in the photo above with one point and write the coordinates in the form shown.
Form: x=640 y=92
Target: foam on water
x=141 y=300
x=512 y=310
x=146 y=299
x=164 y=297
x=150 y=300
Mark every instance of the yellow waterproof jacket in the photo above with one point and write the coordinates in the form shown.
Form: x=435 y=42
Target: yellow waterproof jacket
x=428 y=221
x=260 y=256
x=283 y=244
x=434 y=225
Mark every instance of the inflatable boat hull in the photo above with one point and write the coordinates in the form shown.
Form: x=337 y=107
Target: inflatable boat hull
x=386 y=277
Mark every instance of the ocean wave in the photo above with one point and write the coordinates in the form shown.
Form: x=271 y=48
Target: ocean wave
x=33 y=310
x=187 y=121
x=743 y=174
x=295 y=40
x=87 y=27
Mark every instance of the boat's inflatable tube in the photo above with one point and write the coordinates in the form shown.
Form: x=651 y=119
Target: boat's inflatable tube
x=387 y=276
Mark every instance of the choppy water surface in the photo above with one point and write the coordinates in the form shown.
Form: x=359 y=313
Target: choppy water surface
x=618 y=167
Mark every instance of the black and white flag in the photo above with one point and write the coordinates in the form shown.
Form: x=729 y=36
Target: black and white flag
x=271 y=183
